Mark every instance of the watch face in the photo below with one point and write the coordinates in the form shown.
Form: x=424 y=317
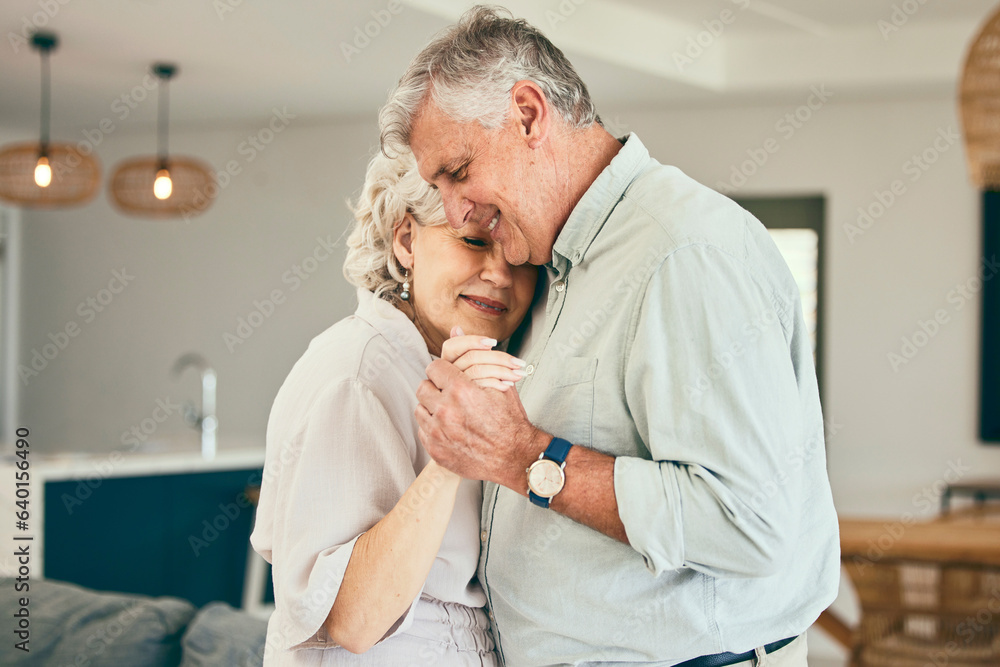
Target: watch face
x=545 y=478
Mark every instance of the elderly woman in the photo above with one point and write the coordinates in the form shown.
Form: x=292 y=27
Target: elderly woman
x=374 y=546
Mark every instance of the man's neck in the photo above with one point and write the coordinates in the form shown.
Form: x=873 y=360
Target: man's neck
x=587 y=153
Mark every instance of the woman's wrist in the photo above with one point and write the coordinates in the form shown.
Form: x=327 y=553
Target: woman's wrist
x=438 y=474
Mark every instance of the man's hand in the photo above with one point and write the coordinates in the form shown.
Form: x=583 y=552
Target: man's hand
x=480 y=433
x=476 y=432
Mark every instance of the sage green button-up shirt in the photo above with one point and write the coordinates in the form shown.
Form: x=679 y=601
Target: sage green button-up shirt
x=672 y=339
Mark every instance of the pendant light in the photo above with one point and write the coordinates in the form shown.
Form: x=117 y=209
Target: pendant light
x=44 y=174
x=163 y=186
x=979 y=99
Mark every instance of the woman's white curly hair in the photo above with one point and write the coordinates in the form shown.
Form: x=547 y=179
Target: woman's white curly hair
x=393 y=188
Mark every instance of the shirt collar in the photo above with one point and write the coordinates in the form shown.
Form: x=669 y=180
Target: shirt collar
x=394 y=326
x=595 y=206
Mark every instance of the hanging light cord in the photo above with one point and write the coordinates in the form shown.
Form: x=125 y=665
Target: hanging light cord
x=46 y=94
x=163 y=97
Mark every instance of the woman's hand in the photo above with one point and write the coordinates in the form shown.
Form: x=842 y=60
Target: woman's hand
x=475 y=356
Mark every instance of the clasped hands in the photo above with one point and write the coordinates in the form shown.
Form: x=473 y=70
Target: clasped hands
x=470 y=418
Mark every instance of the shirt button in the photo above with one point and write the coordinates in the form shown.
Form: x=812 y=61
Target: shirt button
x=482 y=536
x=560 y=286
x=530 y=369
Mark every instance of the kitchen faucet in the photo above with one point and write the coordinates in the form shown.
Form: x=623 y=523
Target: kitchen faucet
x=206 y=422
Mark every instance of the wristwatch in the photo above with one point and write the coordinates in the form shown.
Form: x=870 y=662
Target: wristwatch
x=546 y=476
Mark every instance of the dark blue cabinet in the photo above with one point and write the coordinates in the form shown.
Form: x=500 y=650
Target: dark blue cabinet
x=184 y=535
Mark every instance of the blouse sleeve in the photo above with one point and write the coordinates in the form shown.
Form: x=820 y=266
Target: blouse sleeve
x=343 y=469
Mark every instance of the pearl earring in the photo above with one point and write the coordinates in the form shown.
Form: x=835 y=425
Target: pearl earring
x=405 y=294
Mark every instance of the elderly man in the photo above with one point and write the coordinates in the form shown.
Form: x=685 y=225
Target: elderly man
x=656 y=490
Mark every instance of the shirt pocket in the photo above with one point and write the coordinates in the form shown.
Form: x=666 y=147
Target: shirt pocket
x=569 y=412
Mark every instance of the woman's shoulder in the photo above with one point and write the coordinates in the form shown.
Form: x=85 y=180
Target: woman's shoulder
x=340 y=353
x=379 y=357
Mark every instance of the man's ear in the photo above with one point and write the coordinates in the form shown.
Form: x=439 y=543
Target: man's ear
x=402 y=241
x=531 y=110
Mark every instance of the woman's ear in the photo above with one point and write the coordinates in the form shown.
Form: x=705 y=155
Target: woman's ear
x=402 y=241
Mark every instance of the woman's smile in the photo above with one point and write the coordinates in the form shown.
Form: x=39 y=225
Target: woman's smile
x=483 y=304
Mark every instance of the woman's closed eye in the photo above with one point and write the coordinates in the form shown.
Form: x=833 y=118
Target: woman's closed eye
x=474 y=242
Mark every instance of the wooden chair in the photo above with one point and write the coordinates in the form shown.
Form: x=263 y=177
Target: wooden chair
x=929 y=592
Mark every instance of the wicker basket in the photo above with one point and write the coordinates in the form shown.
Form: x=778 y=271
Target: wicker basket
x=980 y=106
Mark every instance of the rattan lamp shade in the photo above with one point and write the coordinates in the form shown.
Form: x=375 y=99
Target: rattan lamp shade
x=194 y=187
x=76 y=177
x=980 y=106
x=41 y=173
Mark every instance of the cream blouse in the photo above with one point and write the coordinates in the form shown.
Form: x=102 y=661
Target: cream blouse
x=342 y=448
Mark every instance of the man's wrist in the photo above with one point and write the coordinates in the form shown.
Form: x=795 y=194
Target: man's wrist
x=528 y=445
x=531 y=449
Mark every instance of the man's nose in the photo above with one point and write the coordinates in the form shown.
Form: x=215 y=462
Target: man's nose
x=456 y=207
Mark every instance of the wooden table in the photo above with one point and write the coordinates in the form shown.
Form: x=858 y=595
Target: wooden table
x=970 y=537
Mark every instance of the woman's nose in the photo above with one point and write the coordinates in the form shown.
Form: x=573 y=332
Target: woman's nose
x=496 y=270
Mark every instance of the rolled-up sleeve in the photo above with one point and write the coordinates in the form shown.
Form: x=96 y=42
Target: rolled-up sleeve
x=712 y=389
x=340 y=470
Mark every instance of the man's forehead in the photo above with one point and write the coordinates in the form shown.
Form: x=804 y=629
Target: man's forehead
x=438 y=142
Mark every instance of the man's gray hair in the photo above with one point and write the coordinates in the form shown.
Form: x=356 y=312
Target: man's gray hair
x=470 y=69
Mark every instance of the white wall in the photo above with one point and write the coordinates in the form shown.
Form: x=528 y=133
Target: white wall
x=898 y=432
x=192 y=281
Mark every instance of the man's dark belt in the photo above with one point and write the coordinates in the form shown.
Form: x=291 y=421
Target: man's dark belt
x=723 y=659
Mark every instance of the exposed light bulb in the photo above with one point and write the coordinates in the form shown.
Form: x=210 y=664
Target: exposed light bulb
x=43 y=172
x=163 y=186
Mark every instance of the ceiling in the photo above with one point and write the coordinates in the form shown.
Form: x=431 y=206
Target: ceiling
x=239 y=59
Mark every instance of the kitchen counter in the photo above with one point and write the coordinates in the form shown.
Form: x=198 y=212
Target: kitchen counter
x=175 y=456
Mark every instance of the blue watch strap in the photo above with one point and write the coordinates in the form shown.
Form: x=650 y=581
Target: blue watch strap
x=557 y=451
x=538 y=500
